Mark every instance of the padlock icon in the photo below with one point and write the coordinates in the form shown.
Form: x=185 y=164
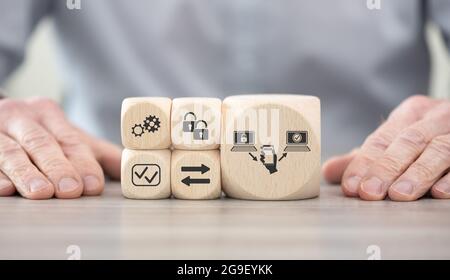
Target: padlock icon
x=188 y=126
x=244 y=138
x=201 y=133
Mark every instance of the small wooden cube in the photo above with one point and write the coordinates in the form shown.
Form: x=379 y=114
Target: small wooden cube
x=271 y=147
x=146 y=174
x=196 y=174
x=196 y=123
x=146 y=123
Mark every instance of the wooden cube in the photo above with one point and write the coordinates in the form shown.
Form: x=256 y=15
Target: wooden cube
x=196 y=123
x=196 y=174
x=146 y=123
x=146 y=174
x=271 y=147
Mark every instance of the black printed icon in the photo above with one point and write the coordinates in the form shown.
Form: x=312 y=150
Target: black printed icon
x=189 y=122
x=137 y=130
x=151 y=124
x=268 y=157
x=198 y=128
x=254 y=158
x=244 y=141
x=201 y=133
x=202 y=169
x=146 y=175
x=297 y=141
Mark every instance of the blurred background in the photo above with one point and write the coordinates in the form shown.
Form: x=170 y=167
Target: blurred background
x=38 y=75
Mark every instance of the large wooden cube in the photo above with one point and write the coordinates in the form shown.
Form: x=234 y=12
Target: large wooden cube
x=271 y=147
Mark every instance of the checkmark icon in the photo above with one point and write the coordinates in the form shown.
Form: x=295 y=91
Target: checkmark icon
x=146 y=175
x=297 y=137
x=153 y=177
x=142 y=173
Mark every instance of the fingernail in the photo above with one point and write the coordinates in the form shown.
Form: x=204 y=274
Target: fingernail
x=67 y=185
x=403 y=187
x=91 y=183
x=37 y=185
x=4 y=184
x=352 y=184
x=372 y=186
x=443 y=187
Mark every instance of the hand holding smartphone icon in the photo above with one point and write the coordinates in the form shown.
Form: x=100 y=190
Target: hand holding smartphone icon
x=269 y=158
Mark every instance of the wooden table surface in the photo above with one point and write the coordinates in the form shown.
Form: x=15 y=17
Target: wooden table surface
x=331 y=226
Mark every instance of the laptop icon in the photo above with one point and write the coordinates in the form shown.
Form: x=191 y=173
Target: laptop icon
x=297 y=141
x=244 y=141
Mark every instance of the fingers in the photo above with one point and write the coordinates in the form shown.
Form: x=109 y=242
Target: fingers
x=75 y=150
x=371 y=150
x=441 y=188
x=376 y=144
x=56 y=148
x=402 y=152
x=46 y=154
x=84 y=162
x=424 y=172
x=87 y=167
x=6 y=186
x=27 y=179
x=334 y=168
x=107 y=154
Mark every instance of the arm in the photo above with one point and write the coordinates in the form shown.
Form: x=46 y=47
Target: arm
x=41 y=153
x=17 y=21
x=409 y=154
x=439 y=13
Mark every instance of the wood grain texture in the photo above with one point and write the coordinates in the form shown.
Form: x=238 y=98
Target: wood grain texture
x=145 y=123
x=188 y=166
x=294 y=172
x=194 y=110
x=329 y=227
x=146 y=174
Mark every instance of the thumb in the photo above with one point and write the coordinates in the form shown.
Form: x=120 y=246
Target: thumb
x=107 y=154
x=334 y=168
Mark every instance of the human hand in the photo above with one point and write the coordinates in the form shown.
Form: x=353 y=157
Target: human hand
x=43 y=155
x=407 y=156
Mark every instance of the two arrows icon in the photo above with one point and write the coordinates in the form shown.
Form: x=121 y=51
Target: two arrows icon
x=201 y=169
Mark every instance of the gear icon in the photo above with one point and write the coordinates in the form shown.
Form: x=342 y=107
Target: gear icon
x=152 y=123
x=137 y=130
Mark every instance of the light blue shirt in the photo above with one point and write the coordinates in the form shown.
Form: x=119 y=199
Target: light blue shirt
x=360 y=62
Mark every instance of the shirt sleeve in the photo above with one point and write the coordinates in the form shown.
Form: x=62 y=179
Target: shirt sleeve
x=439 y=13
x=17 y=21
